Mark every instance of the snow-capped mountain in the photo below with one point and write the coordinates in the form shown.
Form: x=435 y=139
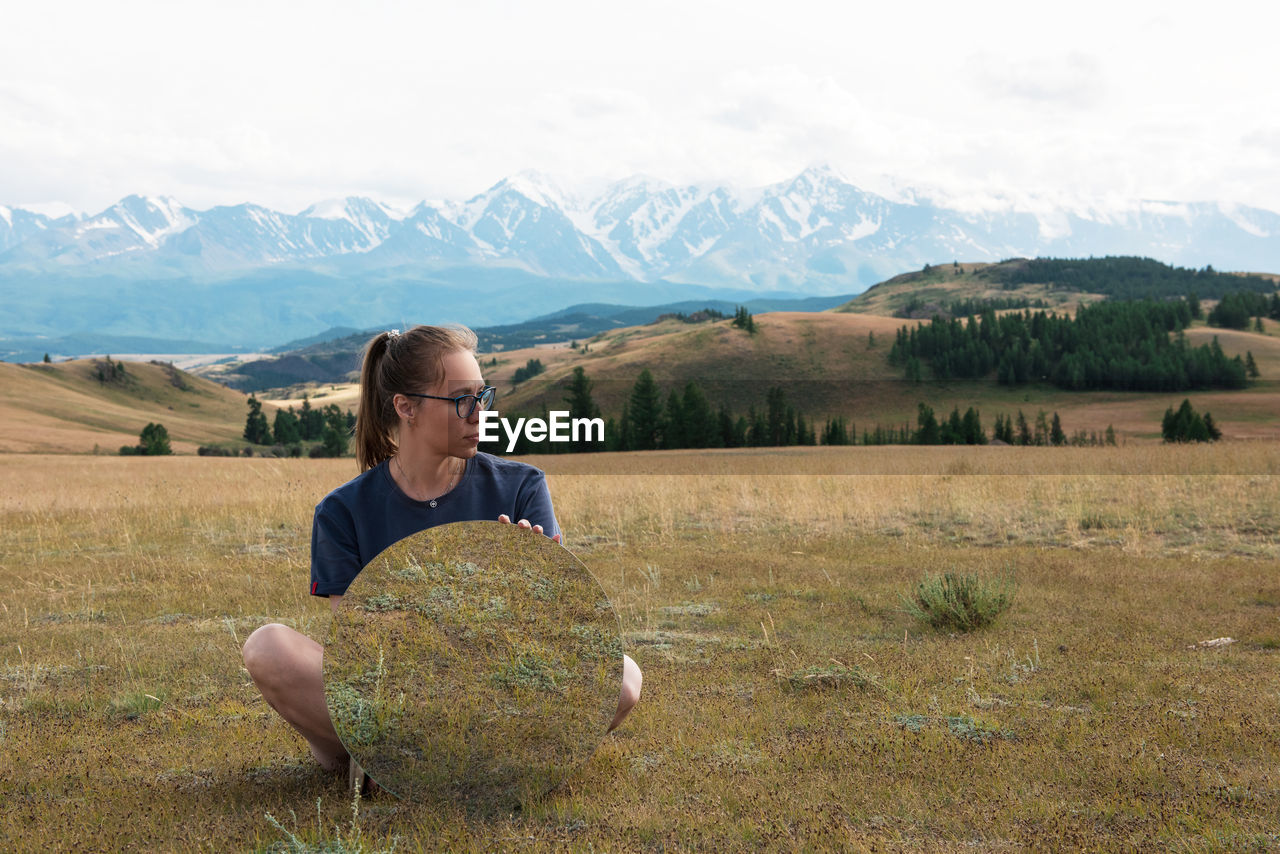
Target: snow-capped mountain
x=816 y=232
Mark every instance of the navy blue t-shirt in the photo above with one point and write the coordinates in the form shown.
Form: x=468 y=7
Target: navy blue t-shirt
x=365 y=515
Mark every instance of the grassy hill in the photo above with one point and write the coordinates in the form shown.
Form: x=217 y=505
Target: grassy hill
x=828 y=366
x=65 y=408
x=1052 y=283
x=932 y=291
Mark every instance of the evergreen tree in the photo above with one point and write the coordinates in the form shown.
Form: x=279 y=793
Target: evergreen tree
x=701 y=429
x=581 y=405
x=645 y=413
x=972 y=428
x=310 y=421
x=952 y=430
x=1111 y=435
x=626 y=434
x=928 y=433
x=1193 y=303
x=1250 y=366
x=673 y=422
x=1042 y=429
x=729 y=437
x=47 y=360
x=1211 y=428
x=1056 y=434
x=1258 y=326
x=1187 y=425
x=285 y=429
x=1024 y=430
x=154 y=441
x=256 y=429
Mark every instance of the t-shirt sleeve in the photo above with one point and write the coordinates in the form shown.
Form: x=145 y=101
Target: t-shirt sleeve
x=534 y=503
x=335 y=557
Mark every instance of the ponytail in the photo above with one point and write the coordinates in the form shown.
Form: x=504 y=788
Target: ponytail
x=395 y=363
x=374 y=419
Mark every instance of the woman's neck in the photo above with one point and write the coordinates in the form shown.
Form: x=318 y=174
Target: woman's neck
x=424 y=475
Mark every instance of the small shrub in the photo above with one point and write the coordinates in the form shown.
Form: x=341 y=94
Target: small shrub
x=827 y=676
x=965 y=727
x=959 y=602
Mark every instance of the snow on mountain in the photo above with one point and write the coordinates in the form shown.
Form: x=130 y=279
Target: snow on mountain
x=816 y=231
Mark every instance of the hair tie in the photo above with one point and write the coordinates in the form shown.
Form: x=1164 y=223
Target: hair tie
x=393 y=334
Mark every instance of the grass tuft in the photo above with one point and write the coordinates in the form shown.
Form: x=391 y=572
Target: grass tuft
x=966 y=728
x=962 y=602
x=834 y=675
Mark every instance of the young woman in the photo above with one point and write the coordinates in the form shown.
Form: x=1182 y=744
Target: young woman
x=417 y=432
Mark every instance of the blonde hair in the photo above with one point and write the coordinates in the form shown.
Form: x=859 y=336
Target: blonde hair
x=394 y=363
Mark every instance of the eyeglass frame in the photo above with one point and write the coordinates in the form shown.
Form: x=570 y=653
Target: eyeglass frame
x=457 y=401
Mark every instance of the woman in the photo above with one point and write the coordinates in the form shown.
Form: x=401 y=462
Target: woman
x=417 y=432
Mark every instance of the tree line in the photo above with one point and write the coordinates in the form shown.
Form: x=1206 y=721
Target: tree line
x=1109 y=345
x=1124 y=277
x=329 y=426
x=1237 y=310
x=685 y=418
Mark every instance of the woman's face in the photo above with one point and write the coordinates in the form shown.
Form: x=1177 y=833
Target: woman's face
x=436 y=425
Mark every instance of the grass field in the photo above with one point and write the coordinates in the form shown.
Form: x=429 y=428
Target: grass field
x=1084 y=718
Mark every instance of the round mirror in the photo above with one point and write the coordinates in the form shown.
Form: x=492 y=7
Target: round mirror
x=474 y=663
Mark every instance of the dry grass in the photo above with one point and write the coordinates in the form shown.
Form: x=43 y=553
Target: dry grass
x=62 y=408
x=1079 y=720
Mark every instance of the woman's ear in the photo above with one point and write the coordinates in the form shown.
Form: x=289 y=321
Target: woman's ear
x=403 y=407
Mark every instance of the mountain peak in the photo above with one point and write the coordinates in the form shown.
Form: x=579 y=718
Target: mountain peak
x=537 y=187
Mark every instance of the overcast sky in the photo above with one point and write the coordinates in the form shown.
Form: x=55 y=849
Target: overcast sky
x=286 y=104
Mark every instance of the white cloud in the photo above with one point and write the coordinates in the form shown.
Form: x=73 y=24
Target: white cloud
x=994 y=100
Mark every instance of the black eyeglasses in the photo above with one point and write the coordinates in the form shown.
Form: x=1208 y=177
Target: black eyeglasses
x=484 y=399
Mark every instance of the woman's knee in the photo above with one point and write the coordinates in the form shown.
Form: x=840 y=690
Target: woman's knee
x=632 y=679
x=265 y=647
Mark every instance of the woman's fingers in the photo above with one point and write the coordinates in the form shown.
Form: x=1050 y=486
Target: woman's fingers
x=524 y=523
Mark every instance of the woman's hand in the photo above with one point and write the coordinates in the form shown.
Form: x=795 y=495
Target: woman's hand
x=524 y=523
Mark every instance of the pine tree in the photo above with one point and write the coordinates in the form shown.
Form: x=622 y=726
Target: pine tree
x=1024 y=430
x=256 y=429
x=701 y=429
x=285 y=429
x=928 y=433
x=972 y=428
x=645 y=413
x=1042 y=429
x=154 y=441
x=673 y=422
x=1056 y=434
x=1111 y=435
x=581 y=405
x=47 y=360
x=1250 y=366
x=310 y=421
x=1211 y=428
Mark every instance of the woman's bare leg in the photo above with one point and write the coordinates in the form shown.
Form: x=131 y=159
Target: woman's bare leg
x=287 y=668
x=630 y=694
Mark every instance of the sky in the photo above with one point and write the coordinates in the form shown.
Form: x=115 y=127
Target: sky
x=978 y=105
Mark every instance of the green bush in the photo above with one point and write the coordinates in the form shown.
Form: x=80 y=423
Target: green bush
x=959 y=602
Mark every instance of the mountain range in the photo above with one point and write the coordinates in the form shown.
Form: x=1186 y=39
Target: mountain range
x=250 y=276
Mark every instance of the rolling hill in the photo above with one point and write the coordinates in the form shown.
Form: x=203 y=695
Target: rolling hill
x=66 y=408
x=828 y=367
